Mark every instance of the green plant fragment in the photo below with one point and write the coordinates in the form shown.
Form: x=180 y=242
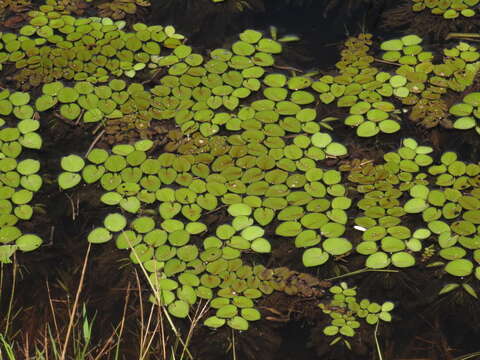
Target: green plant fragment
x=99 y=235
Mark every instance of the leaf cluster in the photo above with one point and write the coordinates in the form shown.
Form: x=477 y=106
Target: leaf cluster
x=346 y=313
x=19 y=179
x=449 y=9
x=444 y=196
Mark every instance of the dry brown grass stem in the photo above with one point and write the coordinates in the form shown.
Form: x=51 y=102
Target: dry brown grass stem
x=146 y=340
x=158 y=300
x=162 y=338
x=200 y=312
x=55 y=323
x=75 y=305
x=75 y=207
x=94 y=142
x=26 y=347
x=387 y=62
x=110 y=341
x=12 y=294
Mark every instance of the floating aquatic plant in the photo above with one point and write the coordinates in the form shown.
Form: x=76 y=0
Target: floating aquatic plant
x=19 y=177
x=252 y=172
x=410 y=183
x=193 y=89
x=242 y=140
x=346 y=313
x=56 y=46
x=14 y=7
x=164 y=186
x=167 y=247
x=119 y=9
x=426 y=82
x=361 y=88
x=449 y=9
x=261 y=175
x=370 y=94
x=467 y=112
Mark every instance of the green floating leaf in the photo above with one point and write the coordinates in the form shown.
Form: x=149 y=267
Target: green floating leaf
x=31 y=141
x=461 y=109
x=416 y=205
x=337 y=246
x=403 y=259
x=68 y=180
x=28 y=125
x=6 y=251
x=392 y=45
x=250 y=36
x=289 y=228
x=367 y=129
x=378 y=260
x=214 y=322
x=179 y=309
x=45 y=102
x=99 y=235
x=227 y=311
x=459 y=267
x=239 y=210
x=261 y=245
x=336 y=149
x=130 y=204
x=70 y=111
x=347 y=331
x=409 y=40
x=465 y=123
x=331 y=330
x=115 y=222
x=472 y=99
x=314 y=257
x=238 y=323
x=72 y=163
x=28 y=242
x=250 y=314
x=9 y=234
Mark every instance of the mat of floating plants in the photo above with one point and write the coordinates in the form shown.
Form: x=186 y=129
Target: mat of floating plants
x=246 y=179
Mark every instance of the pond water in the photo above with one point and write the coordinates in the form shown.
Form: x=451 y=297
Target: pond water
x=245 y=179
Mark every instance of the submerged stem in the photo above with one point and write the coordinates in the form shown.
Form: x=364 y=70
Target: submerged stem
x=377 y=345
x=462 y=35
x=361 y=271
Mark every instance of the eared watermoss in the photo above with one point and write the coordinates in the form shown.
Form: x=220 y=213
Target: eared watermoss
x=443 y=195
x=448 y=9
x=243 y=138
x=346 y=313
x=19 y=177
